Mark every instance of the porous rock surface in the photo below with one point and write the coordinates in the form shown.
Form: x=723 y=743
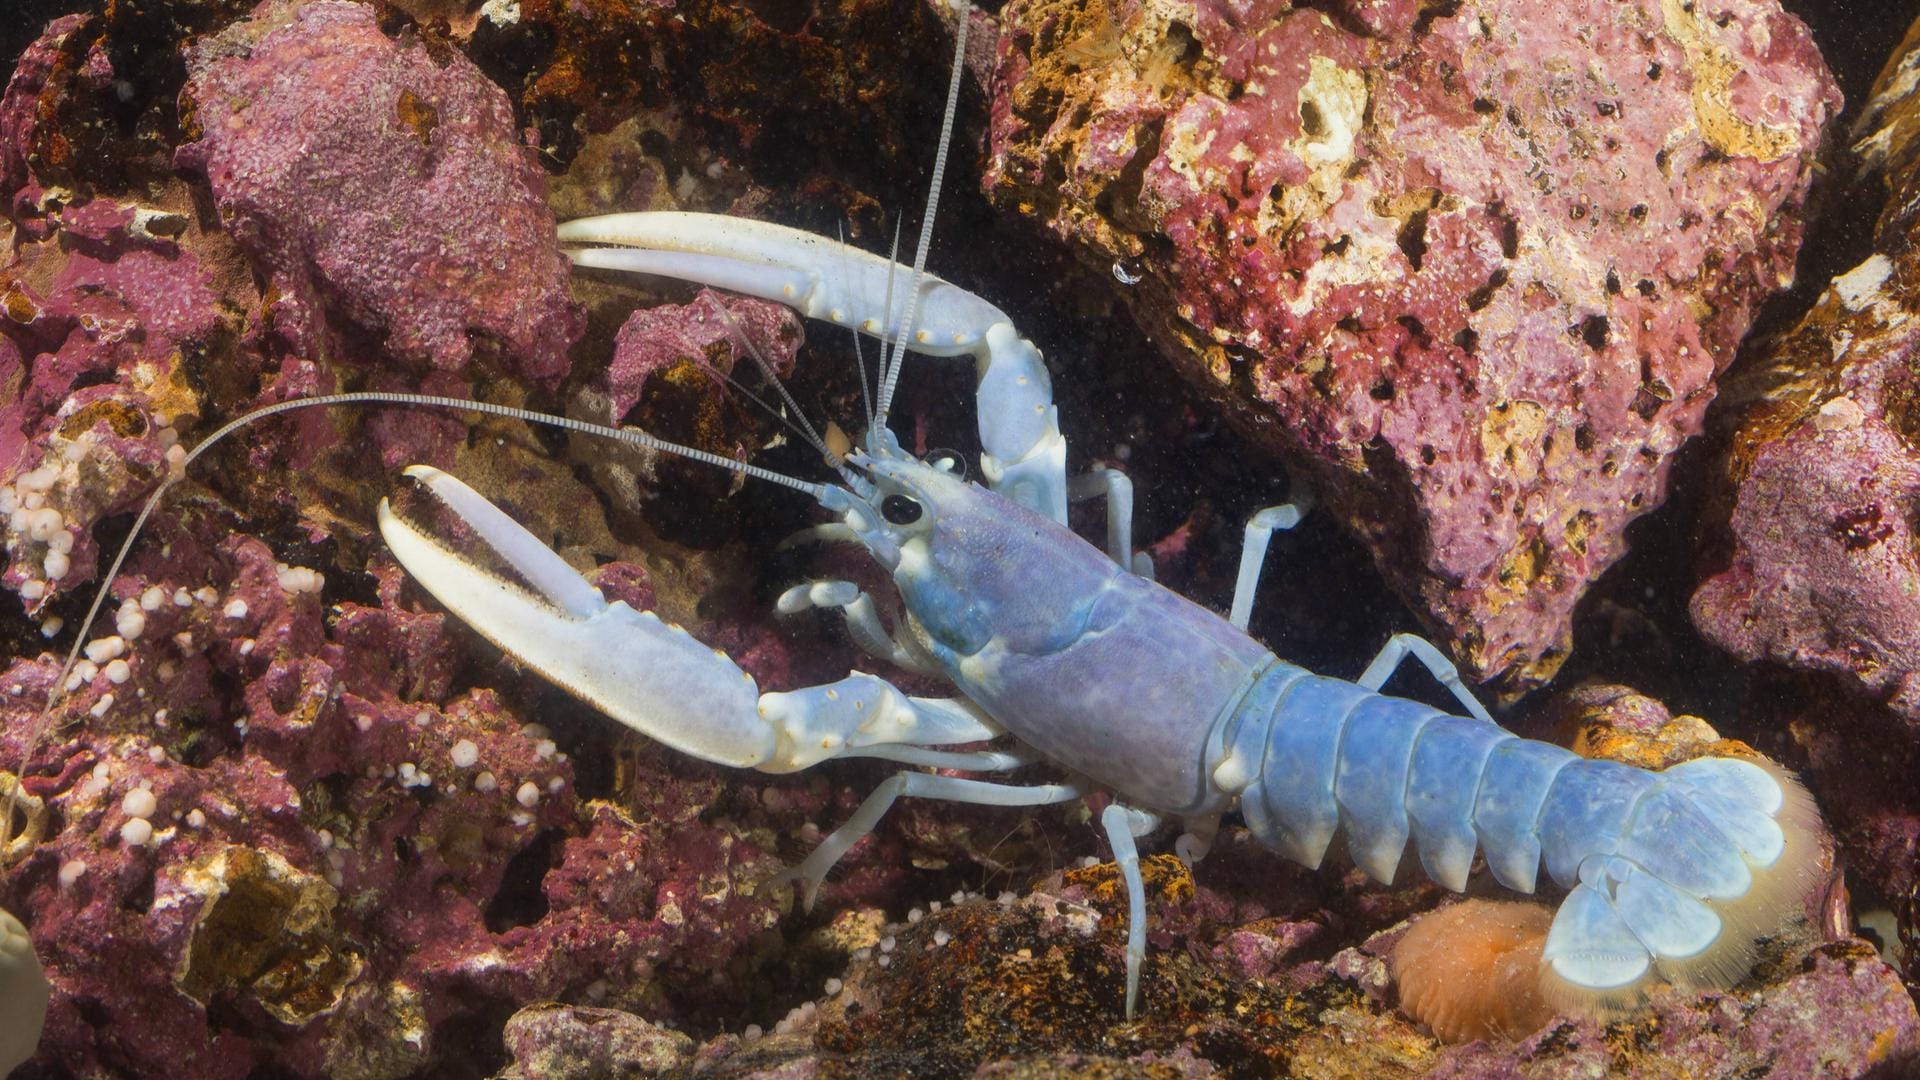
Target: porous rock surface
x=293 y=827
x=1474 y=268
x=1819 y=566
x=1813 y=566
x=391 y=189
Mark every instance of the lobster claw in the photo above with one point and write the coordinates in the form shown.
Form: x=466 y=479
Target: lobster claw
x=818 y=277
x=1024 y=453
x=650 y=675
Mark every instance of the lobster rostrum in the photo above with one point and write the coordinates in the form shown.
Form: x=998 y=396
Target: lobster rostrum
x=1078 y=657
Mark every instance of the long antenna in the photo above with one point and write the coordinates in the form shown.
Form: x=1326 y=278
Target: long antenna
x=58 y=691
x=906 y=328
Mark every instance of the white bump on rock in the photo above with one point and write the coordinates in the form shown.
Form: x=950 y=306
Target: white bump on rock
x=43 y=523
x=139 y=803
x=101 y=650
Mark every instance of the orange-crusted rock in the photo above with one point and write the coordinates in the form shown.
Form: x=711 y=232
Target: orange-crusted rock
x=1621 y=724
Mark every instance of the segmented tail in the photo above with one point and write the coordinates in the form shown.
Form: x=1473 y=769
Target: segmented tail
x=1672 y=876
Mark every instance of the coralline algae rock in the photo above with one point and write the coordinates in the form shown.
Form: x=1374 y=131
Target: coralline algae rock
x=1621 y=724
x=282 y=798
x=32 y=89
x=1477 y=274
x=1793 y=1028
x=670 y=371
x=1821 y=571
x=92 y=106
x=1864 y=771
x=562 y=1042
x=709 y=337
x=274 y=857
x=384 y=187
x=96 y=325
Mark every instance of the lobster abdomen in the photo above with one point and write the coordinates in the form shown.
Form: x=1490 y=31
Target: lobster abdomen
x=1672 y=873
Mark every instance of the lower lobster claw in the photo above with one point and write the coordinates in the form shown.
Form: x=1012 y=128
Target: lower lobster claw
x=648 y=674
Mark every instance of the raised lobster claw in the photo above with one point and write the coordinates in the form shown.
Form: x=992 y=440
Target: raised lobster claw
x=1024 y=454
x=651 y=675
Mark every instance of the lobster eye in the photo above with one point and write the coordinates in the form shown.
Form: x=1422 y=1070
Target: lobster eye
x=900 y=510
x=949 y=462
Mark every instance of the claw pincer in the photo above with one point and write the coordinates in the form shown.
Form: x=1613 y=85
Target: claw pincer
x=1024 y=453
x=650 y=675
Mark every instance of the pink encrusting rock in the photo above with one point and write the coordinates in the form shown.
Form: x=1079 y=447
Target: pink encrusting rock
x=96 y=322
x=31 y=89
x=1476 y=274
x=383 y=185
x=1821 y=570
x=715 y=333
x=281 y=830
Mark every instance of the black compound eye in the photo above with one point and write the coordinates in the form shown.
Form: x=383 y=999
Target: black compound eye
x=900 y=510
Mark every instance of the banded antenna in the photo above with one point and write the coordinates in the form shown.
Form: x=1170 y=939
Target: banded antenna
x=905 y=332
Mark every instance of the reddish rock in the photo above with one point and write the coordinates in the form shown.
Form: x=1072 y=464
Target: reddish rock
x=33 y=88
x=1864 y=771
x=688 y=369
x=382 y=185
x=1476 y=274
x=561 y=1042
x=90 y=108
x=1033 y=987
x=99 y=321
x=1790 y=1029
x=1820 y=569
